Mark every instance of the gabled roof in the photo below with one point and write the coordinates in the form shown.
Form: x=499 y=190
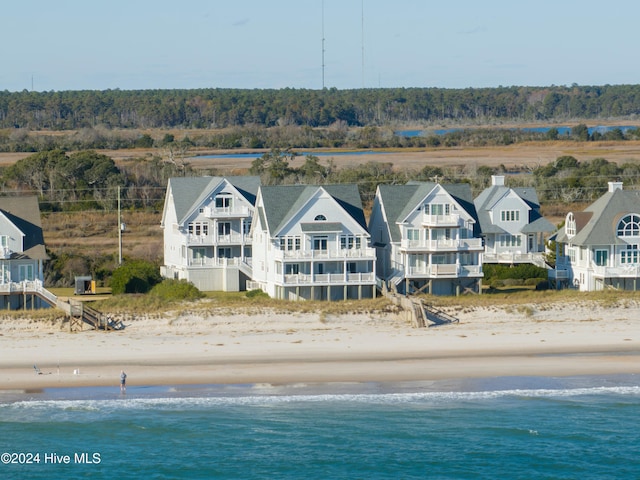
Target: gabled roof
x=24 y=213
x=598 y=224
x=398 y=201
x=490 y=196
x=190 y=192
x=281 y=202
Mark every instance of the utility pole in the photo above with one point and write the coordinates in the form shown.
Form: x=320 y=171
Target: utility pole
x=119 y=231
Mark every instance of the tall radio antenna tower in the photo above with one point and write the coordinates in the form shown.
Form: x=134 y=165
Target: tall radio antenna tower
x=323 y=44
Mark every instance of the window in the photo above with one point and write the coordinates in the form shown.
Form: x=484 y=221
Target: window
x=292 y=269
x=570 y=225
x=198 y=228
x=223 y=201
x=413 y=234
x=349 y=242
x=510 y=215
x=290 y=243
x=224 y=252
x=319 y=243
x=199 y=253
x=320 y=218
x=629 y=256
x=629 y=226
x=224 y=228
x=438 y=208
x=352 y=267
x=572 y=254
x=510 y=240
x=601 y=257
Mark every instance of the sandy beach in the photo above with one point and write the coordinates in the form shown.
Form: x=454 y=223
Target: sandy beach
x=275 y=348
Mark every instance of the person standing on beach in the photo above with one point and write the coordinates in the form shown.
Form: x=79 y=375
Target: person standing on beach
x=123 y=381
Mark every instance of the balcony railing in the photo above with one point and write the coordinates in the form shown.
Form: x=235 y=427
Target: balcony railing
x=328 y=279
x=232 y=239
x=447 y=270
x=235 y=211
x=514 y=257
x=215 y=262
x=5 y=253
x=445 y=244
x=440 y=220
x=354 y=253
x=620 y=271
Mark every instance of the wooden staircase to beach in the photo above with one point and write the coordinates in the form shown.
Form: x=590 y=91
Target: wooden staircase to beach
x=428 y=316
x=81 y=314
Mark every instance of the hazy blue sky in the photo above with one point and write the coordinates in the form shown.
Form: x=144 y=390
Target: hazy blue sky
x=142 y=44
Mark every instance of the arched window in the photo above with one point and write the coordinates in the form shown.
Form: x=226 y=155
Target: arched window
x=570 y=225
x=320 y=218
x=629 y=226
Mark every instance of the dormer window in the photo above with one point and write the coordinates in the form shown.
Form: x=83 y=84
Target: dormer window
x=570 y=225
x=629 y=226
x=320 y=218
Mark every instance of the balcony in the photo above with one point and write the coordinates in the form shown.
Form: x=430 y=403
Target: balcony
x=447 y=270
x=429 y=220
x=215 y=262
x=620 y=271
x=537 y=259
x=441 y=245
x=209 y=240
x=5 y=253
x=303 y=279
x=227 y=212
x=346 y=254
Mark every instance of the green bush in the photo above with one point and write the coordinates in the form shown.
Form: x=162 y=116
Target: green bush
x=522 y=271
x=257 y=293
x=137 y=276
x=176 y=290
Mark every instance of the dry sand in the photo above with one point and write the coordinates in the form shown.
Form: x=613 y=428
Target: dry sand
x=536 y=340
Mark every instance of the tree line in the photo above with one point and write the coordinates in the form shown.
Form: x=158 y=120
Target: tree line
x=225 y=108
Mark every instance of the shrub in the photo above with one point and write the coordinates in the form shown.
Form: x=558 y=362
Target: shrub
x=137 y=276
x=176 y=290
x=257 y=293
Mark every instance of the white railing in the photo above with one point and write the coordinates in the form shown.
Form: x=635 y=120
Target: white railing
x=443 y=244
x=215 y=262
x=440 y=220
x=445 y=270
x=235 y=211
x=231 y=239
x=28 y=286
x=513 y=257
x=5 y=252
x=629 y=271
x=329 y=279
x=361 y=253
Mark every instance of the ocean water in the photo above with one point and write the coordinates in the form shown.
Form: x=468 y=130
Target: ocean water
x=507 y=428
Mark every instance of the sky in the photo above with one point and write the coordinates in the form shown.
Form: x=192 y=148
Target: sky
x=61 y=45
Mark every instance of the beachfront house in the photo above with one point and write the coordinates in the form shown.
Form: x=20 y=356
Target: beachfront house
x=312 y=243
x=511 y=225
x=426 y=238
x=206 y=223
x=22 y=254
x=599 y=247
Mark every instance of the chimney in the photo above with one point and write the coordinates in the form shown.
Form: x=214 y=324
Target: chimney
x=497 y=180
x=613 y=186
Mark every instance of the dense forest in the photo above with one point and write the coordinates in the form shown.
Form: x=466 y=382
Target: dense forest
x=222 y=108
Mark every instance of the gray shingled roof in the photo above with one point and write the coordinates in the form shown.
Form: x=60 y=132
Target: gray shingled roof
x=283 y=201
x=24 y=213
x=189 y=192
x=606 y=212
x=491 y=195
x=399 y=200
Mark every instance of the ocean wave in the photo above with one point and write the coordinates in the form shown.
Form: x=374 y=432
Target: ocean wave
x=78 y=407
